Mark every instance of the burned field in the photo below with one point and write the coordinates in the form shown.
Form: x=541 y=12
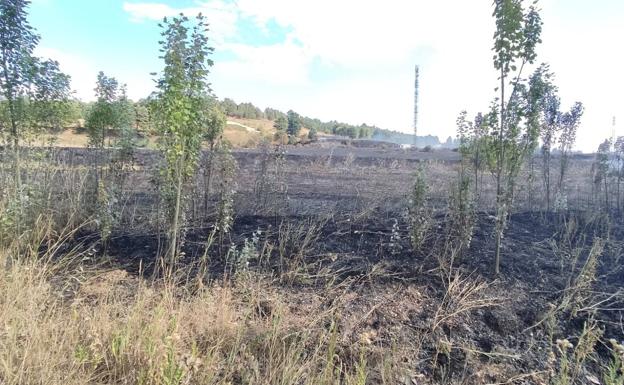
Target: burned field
x=323 y=241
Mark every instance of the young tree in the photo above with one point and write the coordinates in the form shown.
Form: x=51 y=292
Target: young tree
x=281 y=124
x=180 y=119
x=125 y=122
x=214 y=124
x=124 y=109
x=142 y=118
x=50 y=107
x=102 y=118
x=473 y=144
x=273 y=114
x=294 y=123
x=419 y=213
x=103 y=115
x=549 y=131
x=618 y=149
x=601 y=176
x=569 y=122
x=23 y=77
x=312 y=134
x=516 y=37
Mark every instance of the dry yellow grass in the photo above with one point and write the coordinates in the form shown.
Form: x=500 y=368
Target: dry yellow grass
x=113 y=328
x=236 y=135
x=70 y=138
x=68 y=323
x=240 y=137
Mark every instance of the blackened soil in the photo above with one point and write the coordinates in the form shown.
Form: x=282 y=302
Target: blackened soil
x=373 y=258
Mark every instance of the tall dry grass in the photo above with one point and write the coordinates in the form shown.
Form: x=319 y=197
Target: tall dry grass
x=67 y=321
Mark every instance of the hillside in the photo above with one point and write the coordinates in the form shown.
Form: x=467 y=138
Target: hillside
x=238 y=132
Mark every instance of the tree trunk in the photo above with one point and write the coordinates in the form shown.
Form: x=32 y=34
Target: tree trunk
x=532 y=175
x=476 y=172
x=499 y=171
x=547 y=179
x=606 y=193
x=176 y=217
x=617 y=197
x=16 y=146
x=208 y=178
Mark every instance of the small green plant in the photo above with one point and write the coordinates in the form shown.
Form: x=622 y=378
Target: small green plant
x=601 y=169
x=105 y=211
x=614 y=372
x=419 y=213
x=579 y=295
x=462 y=214
x=270 y=187
x=473 y=136
x=572 y=359
x=172 y=373
x=226 y=191
x=562 y=375
x=250 y=251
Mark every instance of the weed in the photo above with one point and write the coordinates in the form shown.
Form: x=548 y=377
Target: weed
x=420 y=214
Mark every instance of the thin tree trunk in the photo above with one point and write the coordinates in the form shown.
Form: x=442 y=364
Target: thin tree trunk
x=606 y=194
x=501 y=157
x=547 y=178
x=532 y=171
x=176 y=217
x=476 y=172
x=617 y=197
x=208 y=178
x=16 y=146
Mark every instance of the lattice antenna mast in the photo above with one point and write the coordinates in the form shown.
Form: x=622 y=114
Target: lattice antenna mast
x=416 y=107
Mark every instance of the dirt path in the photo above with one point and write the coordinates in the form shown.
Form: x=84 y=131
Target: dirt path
x=250 y=129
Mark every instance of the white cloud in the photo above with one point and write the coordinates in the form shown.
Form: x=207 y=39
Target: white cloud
x=588 y=69
x=377 y=44
x=150 y=11
x=272 y=65
x=222 y=16
x=82 y=71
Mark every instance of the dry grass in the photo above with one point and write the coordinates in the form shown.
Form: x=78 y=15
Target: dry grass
x=236 y=135
x=73 y=322
x=114 y=328
x=265 y=126
x=240 y=137
x=70 y=138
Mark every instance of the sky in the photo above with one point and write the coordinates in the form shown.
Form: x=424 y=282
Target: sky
x=348 y=60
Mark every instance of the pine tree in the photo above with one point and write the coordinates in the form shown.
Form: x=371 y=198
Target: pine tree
x=294 y=124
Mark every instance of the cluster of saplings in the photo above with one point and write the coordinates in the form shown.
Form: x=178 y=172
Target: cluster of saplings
x=524 y=120
x=183 y=111
x=185 y=115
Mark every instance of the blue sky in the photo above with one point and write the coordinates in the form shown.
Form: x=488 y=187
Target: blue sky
x=349 y=60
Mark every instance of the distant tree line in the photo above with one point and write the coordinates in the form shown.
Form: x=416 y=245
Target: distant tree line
x=242 y=110
x=289 y=123
x=74 y=113
x=363 y=131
